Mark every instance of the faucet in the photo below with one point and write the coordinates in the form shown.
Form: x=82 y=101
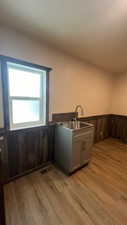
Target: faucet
x=81 y=109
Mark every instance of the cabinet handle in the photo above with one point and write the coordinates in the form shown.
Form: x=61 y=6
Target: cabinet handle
x=0 y=150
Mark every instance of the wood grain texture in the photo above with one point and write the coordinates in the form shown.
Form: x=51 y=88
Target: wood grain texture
x=59 y=117
x=4 y=158
x=26 y=150
x=2 y=206
x=29 y=149
x=94 y=195
x=119 y=127
x=101 y=124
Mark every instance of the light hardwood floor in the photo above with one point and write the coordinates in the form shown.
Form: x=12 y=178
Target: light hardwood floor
x=95 y=195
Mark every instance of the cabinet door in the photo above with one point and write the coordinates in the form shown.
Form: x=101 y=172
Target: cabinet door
x=76 y=149
x=86 y=148
x=82 y=147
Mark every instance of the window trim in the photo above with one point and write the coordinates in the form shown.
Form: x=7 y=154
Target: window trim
x=4 y=60
x=42 y=98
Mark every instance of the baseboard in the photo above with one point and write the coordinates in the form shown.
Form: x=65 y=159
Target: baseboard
x=43 y=166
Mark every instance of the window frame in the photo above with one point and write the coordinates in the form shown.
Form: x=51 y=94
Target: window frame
x=4 y=61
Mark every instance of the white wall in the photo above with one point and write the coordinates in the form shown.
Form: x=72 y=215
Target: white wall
x=71 y=81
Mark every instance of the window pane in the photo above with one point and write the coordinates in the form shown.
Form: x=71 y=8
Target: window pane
x=23 y=83
x=25 y=111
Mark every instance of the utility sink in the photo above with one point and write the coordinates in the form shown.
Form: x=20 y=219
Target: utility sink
x=75 y=125
x=73 y=145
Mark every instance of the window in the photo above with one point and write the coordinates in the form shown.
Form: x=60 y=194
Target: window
x=27 y=94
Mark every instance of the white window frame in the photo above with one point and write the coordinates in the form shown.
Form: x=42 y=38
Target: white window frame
x=41 y=99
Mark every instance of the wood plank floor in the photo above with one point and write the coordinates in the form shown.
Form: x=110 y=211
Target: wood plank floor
x=95 y=195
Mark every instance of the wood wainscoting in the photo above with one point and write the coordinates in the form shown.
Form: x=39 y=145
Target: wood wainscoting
x=60 y=117
x=118 y=124
x=2 y=206
x=101 y=124
x=26 y=150
x=109 y=126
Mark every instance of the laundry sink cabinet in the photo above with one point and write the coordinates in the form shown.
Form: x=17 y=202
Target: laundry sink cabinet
x=73 y=147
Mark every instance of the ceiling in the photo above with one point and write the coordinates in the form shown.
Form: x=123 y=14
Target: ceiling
x=94 y=31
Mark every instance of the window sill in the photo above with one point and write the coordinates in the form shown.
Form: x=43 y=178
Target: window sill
x=31 y=128
x=27 y=129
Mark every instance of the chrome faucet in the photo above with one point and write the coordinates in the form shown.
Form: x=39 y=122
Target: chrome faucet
x=81 y=109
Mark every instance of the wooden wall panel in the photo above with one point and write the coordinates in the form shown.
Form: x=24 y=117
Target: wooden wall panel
x=59 y=117
x=101 y=125
x=4 y=158
x=29 y=149
x=2 y=206
x=119 y=127
x=26 y=150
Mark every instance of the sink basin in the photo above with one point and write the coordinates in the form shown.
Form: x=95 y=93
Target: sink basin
x=74 y=125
